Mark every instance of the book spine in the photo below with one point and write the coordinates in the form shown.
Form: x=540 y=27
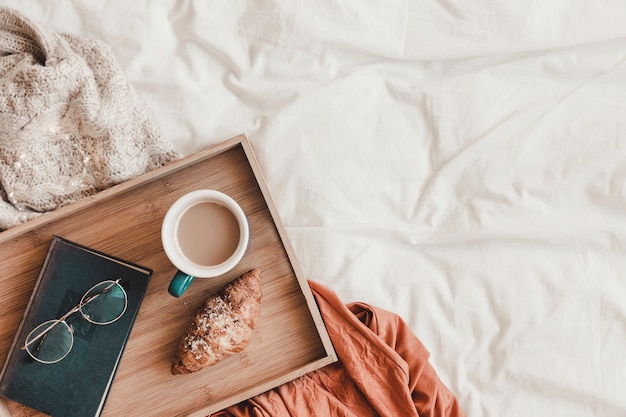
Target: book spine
x=16 y=341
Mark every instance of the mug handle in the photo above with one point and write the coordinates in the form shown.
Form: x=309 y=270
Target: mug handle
x=179 y=283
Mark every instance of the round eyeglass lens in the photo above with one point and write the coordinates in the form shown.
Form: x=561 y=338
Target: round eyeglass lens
x=50 y=342
x=103 y=303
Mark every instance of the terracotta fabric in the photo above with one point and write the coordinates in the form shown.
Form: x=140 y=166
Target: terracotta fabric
x=383 y=370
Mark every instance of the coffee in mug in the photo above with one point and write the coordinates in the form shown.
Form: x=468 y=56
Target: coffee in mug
x=204 y=234
x=208 y=233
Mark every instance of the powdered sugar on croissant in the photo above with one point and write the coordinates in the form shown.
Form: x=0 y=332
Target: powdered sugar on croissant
x=222 y=326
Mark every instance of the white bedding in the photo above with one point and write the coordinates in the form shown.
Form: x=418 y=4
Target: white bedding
x=463 y=165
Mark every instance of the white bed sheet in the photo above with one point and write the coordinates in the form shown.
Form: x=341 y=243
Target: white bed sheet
x=462 y=164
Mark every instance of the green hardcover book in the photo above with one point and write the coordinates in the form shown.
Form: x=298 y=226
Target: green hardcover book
x=78 y=384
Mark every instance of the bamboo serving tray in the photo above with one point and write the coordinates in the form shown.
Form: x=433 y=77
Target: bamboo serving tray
x=125 y=221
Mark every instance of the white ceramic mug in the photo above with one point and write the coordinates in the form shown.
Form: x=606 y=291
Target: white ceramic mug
x=205 y=234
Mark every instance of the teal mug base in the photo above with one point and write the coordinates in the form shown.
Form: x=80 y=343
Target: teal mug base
x=180 y=283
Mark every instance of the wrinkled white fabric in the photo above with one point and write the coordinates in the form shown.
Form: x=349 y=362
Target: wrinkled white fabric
x=462 y=164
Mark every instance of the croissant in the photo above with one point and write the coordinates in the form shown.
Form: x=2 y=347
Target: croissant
x=222 y=326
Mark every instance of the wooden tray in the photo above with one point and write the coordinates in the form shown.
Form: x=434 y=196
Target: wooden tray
x=125 y=221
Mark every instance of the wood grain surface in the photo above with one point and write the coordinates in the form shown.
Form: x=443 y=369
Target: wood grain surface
x=125 y=221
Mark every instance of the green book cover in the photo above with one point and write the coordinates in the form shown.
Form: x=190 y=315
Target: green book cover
x=78 y=384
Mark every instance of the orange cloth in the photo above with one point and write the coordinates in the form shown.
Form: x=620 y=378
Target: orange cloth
x=383 y=370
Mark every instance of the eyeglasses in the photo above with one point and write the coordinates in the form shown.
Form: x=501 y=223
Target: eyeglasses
x=52 y=340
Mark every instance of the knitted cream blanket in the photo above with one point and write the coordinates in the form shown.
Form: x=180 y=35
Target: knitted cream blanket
x=70 y=123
